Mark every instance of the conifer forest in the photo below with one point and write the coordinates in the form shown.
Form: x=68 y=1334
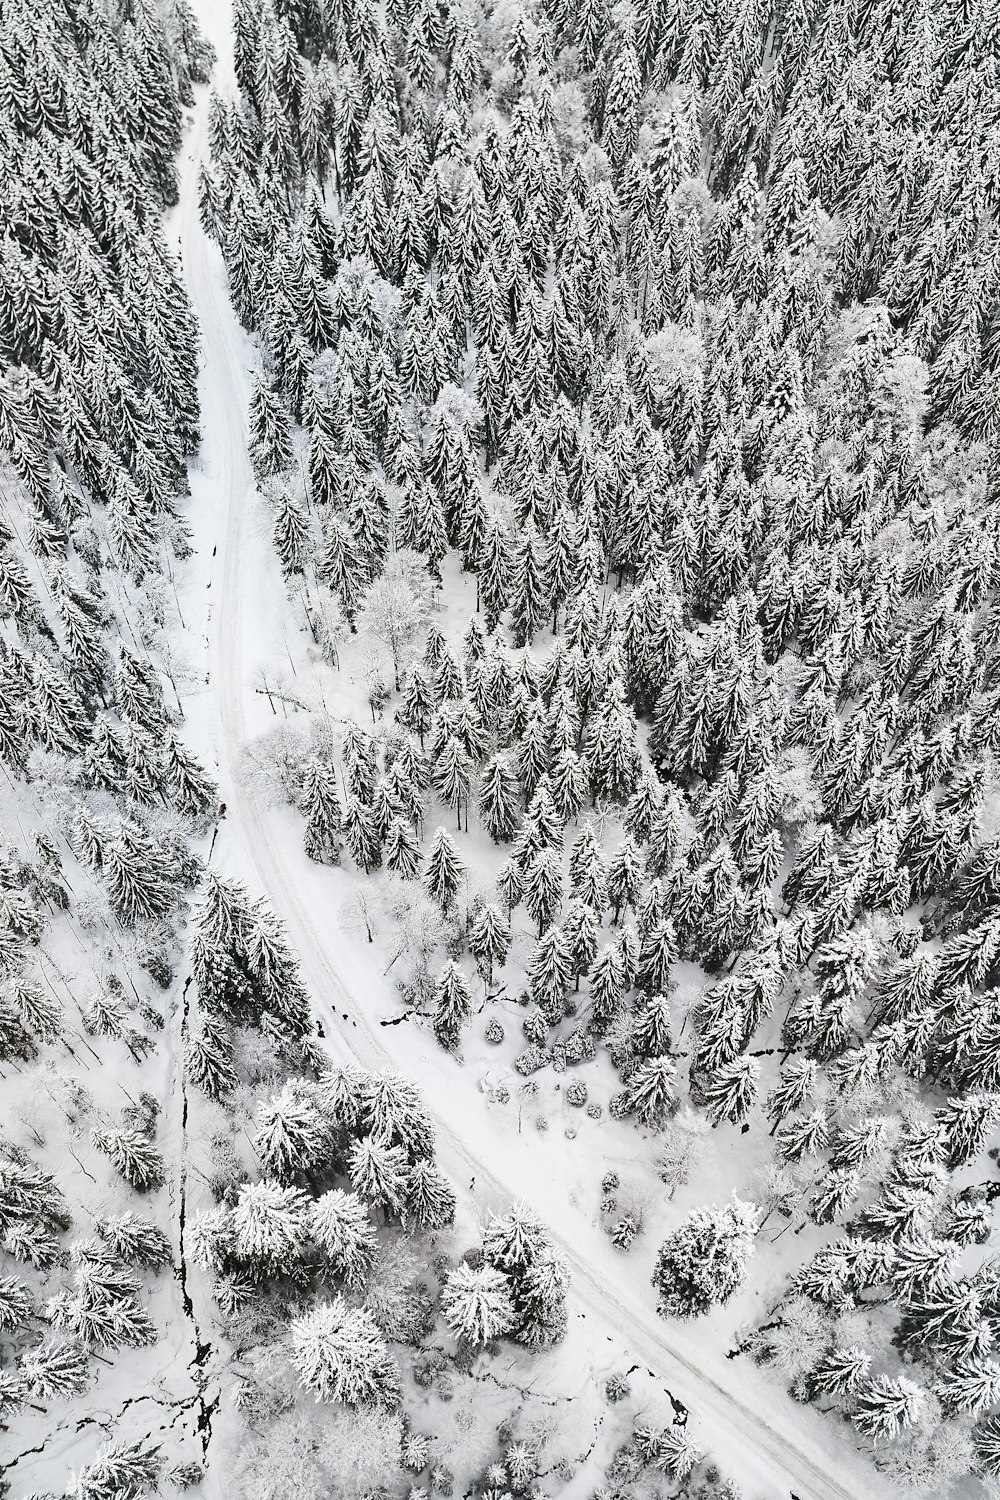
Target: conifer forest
x=500 y=749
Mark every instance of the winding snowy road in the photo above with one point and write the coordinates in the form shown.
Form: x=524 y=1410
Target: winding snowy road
x=779 y=1449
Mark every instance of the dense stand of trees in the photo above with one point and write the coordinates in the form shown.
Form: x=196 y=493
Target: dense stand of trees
x=678 y=328
x=98 y=418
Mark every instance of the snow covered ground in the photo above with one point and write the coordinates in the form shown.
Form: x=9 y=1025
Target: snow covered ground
x=233 y=599
x=249 y=672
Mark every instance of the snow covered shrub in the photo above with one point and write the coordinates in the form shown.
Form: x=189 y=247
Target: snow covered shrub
x=532 y=1060
x=704 y=1260
x=424 y=1373
x=442 y=1480
x=535 y=1027
x=624 y=1232
x=494 y=1032
x=185 y=1475
x=620 y=1105
x=579 y=1046
x=415 y=1451
x=576 y=1093
x=625 y=1468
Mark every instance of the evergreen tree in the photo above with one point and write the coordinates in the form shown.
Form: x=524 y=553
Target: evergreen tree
x=452 y=774
x=569 y=783
x=133 y=1155
x=625 y=871
x=379 y=1172
x=340 y=1225
x=453 y=1003
x=192 y=791
x=607 y=988
x=651 y=1091
x=430 y=1198
x=361 y=834
x=291 y=535
x=580 y=934
x=529 y=590
x=402 y=850
x=340 y=1355
x=883 y=1406
x=417 y=710
x=840 y=1371
x=121 y=1469
x=270 y=432
x=269 y=1227
x=652 y=1036
x=292 y=1137
x=489 y=940
x=477 y=1304
x=208 y=1059
x=495 y=568
x=55 y=1369
x=549 y=974
x=320 y=802
x=543 y=888
x=704 y=1260
x=732 y=1090
x=656 y=956
x=443 y=870
x=612 y=752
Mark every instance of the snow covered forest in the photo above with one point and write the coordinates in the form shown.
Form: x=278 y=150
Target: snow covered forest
x=500 y=725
